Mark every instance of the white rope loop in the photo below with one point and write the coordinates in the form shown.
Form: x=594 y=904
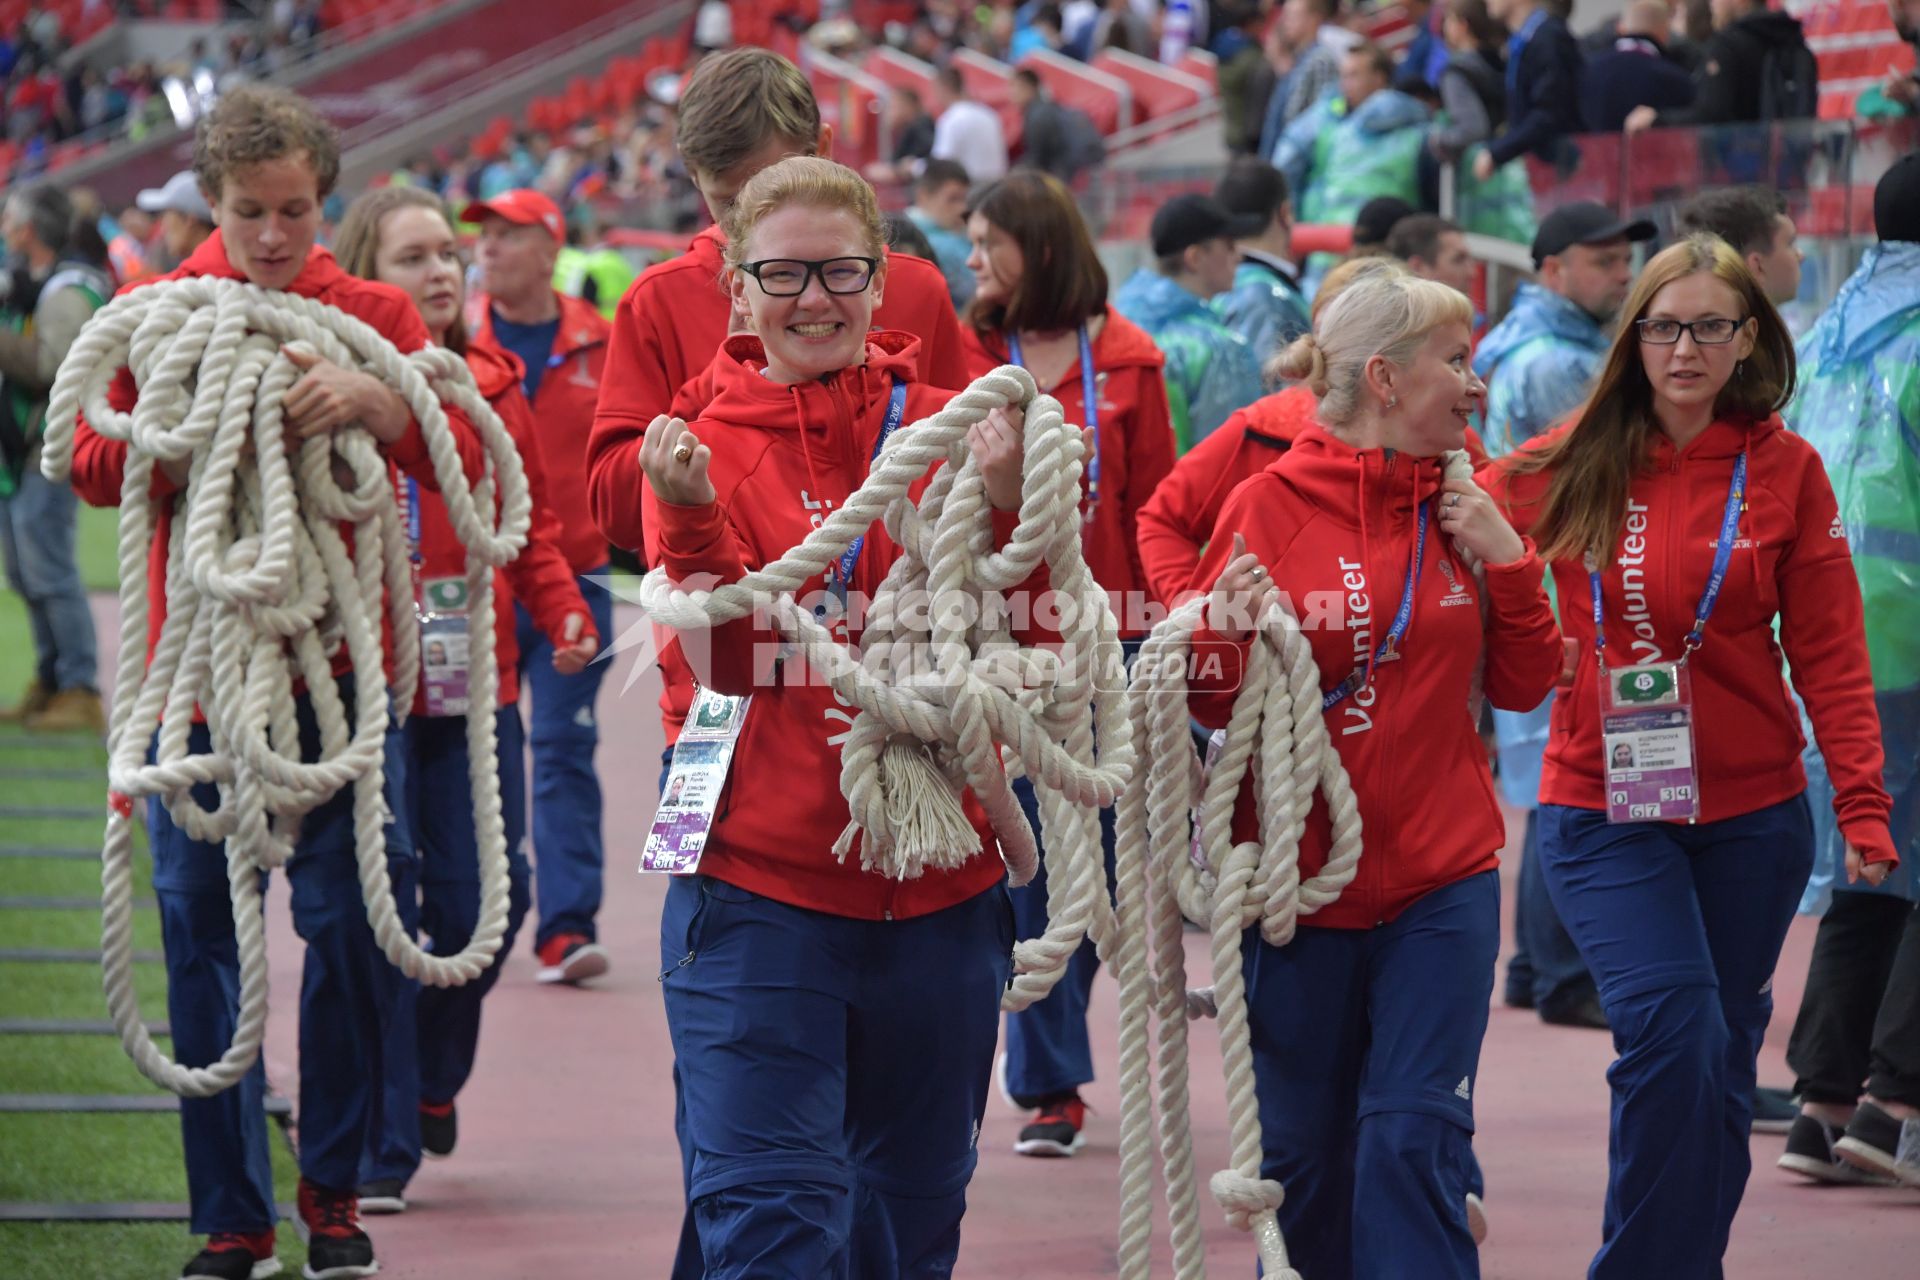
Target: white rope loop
x=261 y=591
x=945 y=695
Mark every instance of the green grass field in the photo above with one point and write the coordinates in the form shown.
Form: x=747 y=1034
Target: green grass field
x=79 y=1157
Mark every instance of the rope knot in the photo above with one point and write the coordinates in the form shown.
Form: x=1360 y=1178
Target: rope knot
x=1244 y=1198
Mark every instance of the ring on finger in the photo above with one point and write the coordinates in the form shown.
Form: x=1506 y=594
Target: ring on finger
x=1256 y=573
x=683 y=454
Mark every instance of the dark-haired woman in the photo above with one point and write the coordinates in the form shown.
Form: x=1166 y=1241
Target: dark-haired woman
x=402 y=236
x=1041 y=303
x=1681 y=520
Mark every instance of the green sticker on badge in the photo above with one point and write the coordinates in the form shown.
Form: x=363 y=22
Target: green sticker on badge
x=1643 y=685
x=447 y=595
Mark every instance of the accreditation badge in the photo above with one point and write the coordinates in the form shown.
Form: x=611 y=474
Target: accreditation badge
x=695 y=781
x=1646 y=735
x=444 y=645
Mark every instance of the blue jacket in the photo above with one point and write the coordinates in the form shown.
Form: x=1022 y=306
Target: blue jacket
x=950 y=253
x=1211 y=371
x=1263 y=307
x=1543 y=90
x=1538 y=364
x=1634 y=73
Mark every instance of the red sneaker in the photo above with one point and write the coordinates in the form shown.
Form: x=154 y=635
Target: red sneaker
x=329 y=1221
x=571 y=958
x=1055 y=1128
x=233 y=1255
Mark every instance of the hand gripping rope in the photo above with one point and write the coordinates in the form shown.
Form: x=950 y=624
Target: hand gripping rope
x=261 y=589
x=1277 y=731
x=941 y=684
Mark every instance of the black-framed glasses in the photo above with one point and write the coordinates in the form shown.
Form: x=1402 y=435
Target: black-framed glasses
x=1711 y=332
x=788 y=277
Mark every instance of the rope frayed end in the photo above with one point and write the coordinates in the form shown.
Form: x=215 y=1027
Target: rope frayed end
x=925 y=823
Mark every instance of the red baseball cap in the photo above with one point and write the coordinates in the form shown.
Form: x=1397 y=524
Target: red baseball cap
x=522 y=208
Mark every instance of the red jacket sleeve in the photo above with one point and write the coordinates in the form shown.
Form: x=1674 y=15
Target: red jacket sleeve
x=1523 y=640
x=402 y=326
x=634 y=391
x=699 y=543
x=1823 y=629
x=100 y=464
x=943 y=357
x=1178 y=519
x=1218 y=667
x=539 y=575
x=1150 y=459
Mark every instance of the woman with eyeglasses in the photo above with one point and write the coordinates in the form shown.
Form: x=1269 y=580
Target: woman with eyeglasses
x=833 y=1029
x=1041 y=303
x=1682 y=521
x=402 y=236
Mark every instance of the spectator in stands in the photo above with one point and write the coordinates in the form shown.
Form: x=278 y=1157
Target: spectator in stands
x=904 y=237
x=713 y=26
x=50 y=292
x=1753 y=219
x=1858 y=404
x=912 y=131
x=589 y=268
x=1543 y=87
x=1434 y=249
x=1757 y=69
x=1211 y=371
x=1042 y=304
x=129 y=244
x=1900 y=91
x=1473 y=93
x=562 y=346
x=1055 y=139
x=1634 y=71
x=1316 y=39
x=185 y=219
x=1040 y=30
x=1362 y=143
x=1265 y=306
x=1418 y=74
x=1375 y=222
x=1243 y=75
x=965 y=131
x=1122 y=26
x=939 y=210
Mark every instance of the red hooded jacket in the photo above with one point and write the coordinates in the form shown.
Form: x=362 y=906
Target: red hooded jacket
x=1790 y=561
x=1178 y=520
x=1335 y=527
x=783 y=458
x=666 y=332
x=99 y=464
x=1136 y=449
x=563 y=407
x=539 y=577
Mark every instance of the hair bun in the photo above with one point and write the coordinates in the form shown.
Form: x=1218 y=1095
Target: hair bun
x=1304 y=361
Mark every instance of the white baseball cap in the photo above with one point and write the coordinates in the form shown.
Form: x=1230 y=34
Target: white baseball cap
x=180 y=195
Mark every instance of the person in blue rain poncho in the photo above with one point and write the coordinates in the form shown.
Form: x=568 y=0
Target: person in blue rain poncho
x=1859 y=405
x=1265 y=305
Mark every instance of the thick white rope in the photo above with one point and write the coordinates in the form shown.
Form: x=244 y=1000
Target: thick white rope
x=946 y=695
x=261 y=591
x=1277 y=731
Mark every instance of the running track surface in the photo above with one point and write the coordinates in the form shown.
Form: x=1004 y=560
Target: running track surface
x=567 y=1164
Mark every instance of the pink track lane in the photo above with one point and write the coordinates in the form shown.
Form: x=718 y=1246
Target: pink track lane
x=567 y=1163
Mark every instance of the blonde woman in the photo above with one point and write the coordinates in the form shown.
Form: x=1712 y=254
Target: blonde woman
x=1367 y=1026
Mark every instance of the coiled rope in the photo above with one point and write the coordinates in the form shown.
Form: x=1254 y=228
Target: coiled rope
x=942 y=686
x=261 y=589
x=1277 y=731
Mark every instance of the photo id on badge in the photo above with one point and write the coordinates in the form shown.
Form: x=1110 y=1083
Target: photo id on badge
x=1646 y=723
x=443 y=665
x=695 y=780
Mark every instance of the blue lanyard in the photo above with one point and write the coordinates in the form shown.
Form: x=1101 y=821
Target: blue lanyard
x=413 y=519
x=1517 y=45
x=896 y=410
x=1090 y=396
x=1722 y=556
x=1363 y=676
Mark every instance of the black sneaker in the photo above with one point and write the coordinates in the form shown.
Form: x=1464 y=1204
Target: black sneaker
x=230 y=1255
x=329 y=1222
x=1871 y=1142
x=1774 y=1110
x=1581 y=1011
x=1810 y=1153
x=1055 y=1128
x=383 y=1195
x=439 y=1129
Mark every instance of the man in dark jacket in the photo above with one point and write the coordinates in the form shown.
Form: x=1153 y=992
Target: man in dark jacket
x=1634 y=71
x=1058 y=140
x=1753 y=52
x=1543 y=86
